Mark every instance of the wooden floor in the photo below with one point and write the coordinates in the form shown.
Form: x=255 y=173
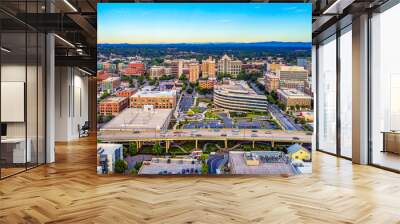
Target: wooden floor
x=386 y=159
x=69 y=191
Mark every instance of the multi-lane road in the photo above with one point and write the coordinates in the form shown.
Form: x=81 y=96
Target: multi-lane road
x=283 y=119
x=286 y=122
x=206 y=134
x=186 y=102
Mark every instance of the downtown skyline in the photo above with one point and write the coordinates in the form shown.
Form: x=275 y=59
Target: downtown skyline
x=203 y=23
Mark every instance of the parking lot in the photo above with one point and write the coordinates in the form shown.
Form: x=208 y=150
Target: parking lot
x=171 y=166
x=238 y=166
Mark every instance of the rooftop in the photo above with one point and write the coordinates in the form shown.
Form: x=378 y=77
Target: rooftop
x=239 y=88
x=157 y=67
x=112 y=79
x=113 y=99
x=292 y=69
x=238 y=165
x=294 y=148
x=175 y=166
x=128 y=90
x=107 y=148
x=293 y=93
x=137 y=118
x=144 y=93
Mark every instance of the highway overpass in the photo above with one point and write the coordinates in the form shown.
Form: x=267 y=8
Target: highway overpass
x=252 y=135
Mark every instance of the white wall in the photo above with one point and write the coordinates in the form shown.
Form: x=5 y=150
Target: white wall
x=71 y=102
x=33 y=126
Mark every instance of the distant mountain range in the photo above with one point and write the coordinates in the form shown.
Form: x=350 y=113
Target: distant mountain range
x=227 y=44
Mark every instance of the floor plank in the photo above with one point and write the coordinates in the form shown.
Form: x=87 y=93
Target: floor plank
x=69 y=191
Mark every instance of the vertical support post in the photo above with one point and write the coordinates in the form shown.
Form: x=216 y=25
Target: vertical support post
x=50 y=98
x=360 y=140
x=167 y=145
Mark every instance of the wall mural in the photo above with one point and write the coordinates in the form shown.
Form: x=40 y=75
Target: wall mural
x=211 y=88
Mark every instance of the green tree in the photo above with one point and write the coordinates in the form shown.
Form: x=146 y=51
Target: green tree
x=157 y=148
x=152 y=82
x=141 y=80
x=120 y=166
x=133 y=172
x=138 y=165
x=108 y=118
x=131 y=83
x=183 y=77
x=184 y=87
x=167 y=77
x=204 y=168
x=100 y=118
x=297 y=107
x=105 y=95
x=125 y=78
x=274 y=95
x=132 y=149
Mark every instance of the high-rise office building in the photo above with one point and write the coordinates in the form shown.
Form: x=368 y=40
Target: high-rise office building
x=110 y=84
x=227 y=65
x=271 y=82
x=177 y=68
x=158 y=99
x=134 y=69
x=294 y=97
x=208 y=68
x=194 y=72
x=207 y=83
x=292 y=77
x=113 y=105
x=273 y=67
x=158 y=71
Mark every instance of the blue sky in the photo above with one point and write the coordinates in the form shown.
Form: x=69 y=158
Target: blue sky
x=142 y=23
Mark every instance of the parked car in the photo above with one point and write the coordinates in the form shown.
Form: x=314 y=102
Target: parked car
x=296 y=138
x=254 y=135
x=254 y=131
x=223 y=135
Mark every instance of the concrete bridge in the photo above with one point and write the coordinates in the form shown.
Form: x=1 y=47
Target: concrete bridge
x=196 y=135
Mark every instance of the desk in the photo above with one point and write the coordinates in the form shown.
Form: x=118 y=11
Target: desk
x=13 y=150
x=391 y=141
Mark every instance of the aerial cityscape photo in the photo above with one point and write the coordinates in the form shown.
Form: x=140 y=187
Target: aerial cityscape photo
x=177 y=94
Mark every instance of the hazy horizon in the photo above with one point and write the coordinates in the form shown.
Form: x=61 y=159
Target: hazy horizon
x=306 y=42
x=191 y=23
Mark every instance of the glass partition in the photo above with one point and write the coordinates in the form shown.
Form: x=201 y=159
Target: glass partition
x=13 y=86
x=385 y=89
x=327 y=95
x=22 y=90
x=346 y=92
